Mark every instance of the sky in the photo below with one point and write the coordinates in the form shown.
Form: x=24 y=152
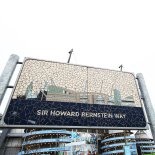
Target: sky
x=102 y=33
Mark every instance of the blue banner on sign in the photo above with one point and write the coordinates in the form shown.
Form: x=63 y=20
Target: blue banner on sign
x=54 y=113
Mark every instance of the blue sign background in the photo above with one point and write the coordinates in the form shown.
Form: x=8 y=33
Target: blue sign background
x=35 y=112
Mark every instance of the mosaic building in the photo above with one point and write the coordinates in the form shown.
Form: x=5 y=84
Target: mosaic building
x=73 y=83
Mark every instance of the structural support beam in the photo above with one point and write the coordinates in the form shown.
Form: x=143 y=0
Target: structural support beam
x=4 y=82
x=147 y=103
x=3 y=136
x=7 y=74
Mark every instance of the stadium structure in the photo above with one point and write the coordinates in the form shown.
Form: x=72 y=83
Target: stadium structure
x=75 y=142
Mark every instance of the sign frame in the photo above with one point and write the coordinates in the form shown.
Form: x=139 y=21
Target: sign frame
x=3 y=125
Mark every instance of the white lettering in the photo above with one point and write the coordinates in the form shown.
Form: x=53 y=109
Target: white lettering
x=38 y=112
x=83 y=114
x=42 y=112
x=120 y=115
x=64 y=113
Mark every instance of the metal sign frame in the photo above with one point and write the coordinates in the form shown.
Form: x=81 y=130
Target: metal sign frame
x=3 y=125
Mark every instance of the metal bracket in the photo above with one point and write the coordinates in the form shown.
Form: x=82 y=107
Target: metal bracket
x=19 y=62
x=142 y=97
x=10 y=86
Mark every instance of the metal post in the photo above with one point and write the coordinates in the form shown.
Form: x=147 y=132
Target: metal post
x=70 y=54
x=7 y=74
x=121 y=67
x=2 y=138
x=147 y=103
x=4 y=82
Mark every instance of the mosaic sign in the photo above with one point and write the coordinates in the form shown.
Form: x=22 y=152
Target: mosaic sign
x=58 y=94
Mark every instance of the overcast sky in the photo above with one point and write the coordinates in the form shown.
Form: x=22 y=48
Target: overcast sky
x=103 y=33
